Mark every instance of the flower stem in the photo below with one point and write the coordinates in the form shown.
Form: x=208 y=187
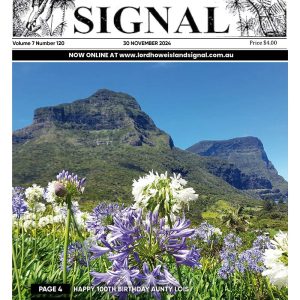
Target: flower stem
x=85 y=251
x=177 y=266
x=53 y=246
x=270 y=289
x=16 y=272
x=22 y=249
x=66 y=244
x=35 y=229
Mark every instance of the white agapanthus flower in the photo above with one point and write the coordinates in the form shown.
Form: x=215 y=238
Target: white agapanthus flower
x=217 y=231
x=28 y=216
x=29 y=220
x=28 y=224
x=34 y=193
x=50 y=195
x=60 y=213
x=281 y=241
x=161 y=193
x=81 y=218
x=44 y=221
x=58 y=219
x=39 y=207
x=276 y=261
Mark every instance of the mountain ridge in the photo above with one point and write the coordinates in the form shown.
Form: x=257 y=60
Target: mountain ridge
x=111 y=143
x=246 y=154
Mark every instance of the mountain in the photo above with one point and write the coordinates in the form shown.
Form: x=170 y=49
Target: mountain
x=111 y=141
x=244 y=164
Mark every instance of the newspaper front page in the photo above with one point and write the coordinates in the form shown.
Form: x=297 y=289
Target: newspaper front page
x=149 y=149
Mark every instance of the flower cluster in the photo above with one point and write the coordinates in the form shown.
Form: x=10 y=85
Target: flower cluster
x=70 y=182
x=34 y=196
x=276 y=260
x=231 y=241
x=51 y=193
x=147 y=243
x=248 y=260
x=207 y=232
x=77 y=253
x=229 y=255
x=121 y=279
x=162 y=193
x=101 y=216
x=19 y=205
x=40 y=208
x=263 y=242
x=60 y=213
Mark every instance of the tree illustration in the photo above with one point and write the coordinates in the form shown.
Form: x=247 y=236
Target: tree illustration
x=29 y=16
x=247 y=25
x=64 y=5
x=277 y=12
x=235 y=6
x=46 y=30
x=264 y=6
x=262 y=17
x=20 y=7
x=252 y=7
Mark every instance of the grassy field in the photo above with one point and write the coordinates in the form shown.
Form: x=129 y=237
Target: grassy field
x=38 y=261
x=154 y=249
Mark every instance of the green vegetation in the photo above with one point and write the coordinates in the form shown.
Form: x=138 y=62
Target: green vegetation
x=112 y=167
x=44 y=266
x=256 y=214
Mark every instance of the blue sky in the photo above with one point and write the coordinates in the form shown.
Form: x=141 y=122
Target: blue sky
x=190 y=101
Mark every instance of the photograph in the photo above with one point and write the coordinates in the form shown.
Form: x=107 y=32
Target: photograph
x=150 y=180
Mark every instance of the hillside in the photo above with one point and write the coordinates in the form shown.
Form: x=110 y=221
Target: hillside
x=245 y=166
x=110 y=140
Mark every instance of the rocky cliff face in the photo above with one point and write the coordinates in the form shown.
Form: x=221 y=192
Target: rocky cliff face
x=249 y=167
x=103 y=111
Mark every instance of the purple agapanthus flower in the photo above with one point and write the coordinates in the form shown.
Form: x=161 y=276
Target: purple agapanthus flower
x=231 y=241
x=158 y=277
x=229 y=255
x=98 y=219
x=138 y=238
x=181 y=229
x=251 y=260
x=19 y=206
x=229 y=260
x=119 y=278
x=77 y=252
x=98 y=251
x=152 y=279
x=188 y=257
x=206 y=232
x=263 y=242
x=71 y=180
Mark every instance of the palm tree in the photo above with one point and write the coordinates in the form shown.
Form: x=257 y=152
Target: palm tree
x=39 y=10
x=235 y=6
x=47 y=30
x=20 y=8
x=247 y=25
x=253 y=8
x=64 y=5
x=236 y=220
x=263 y=6
x=277 y=12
